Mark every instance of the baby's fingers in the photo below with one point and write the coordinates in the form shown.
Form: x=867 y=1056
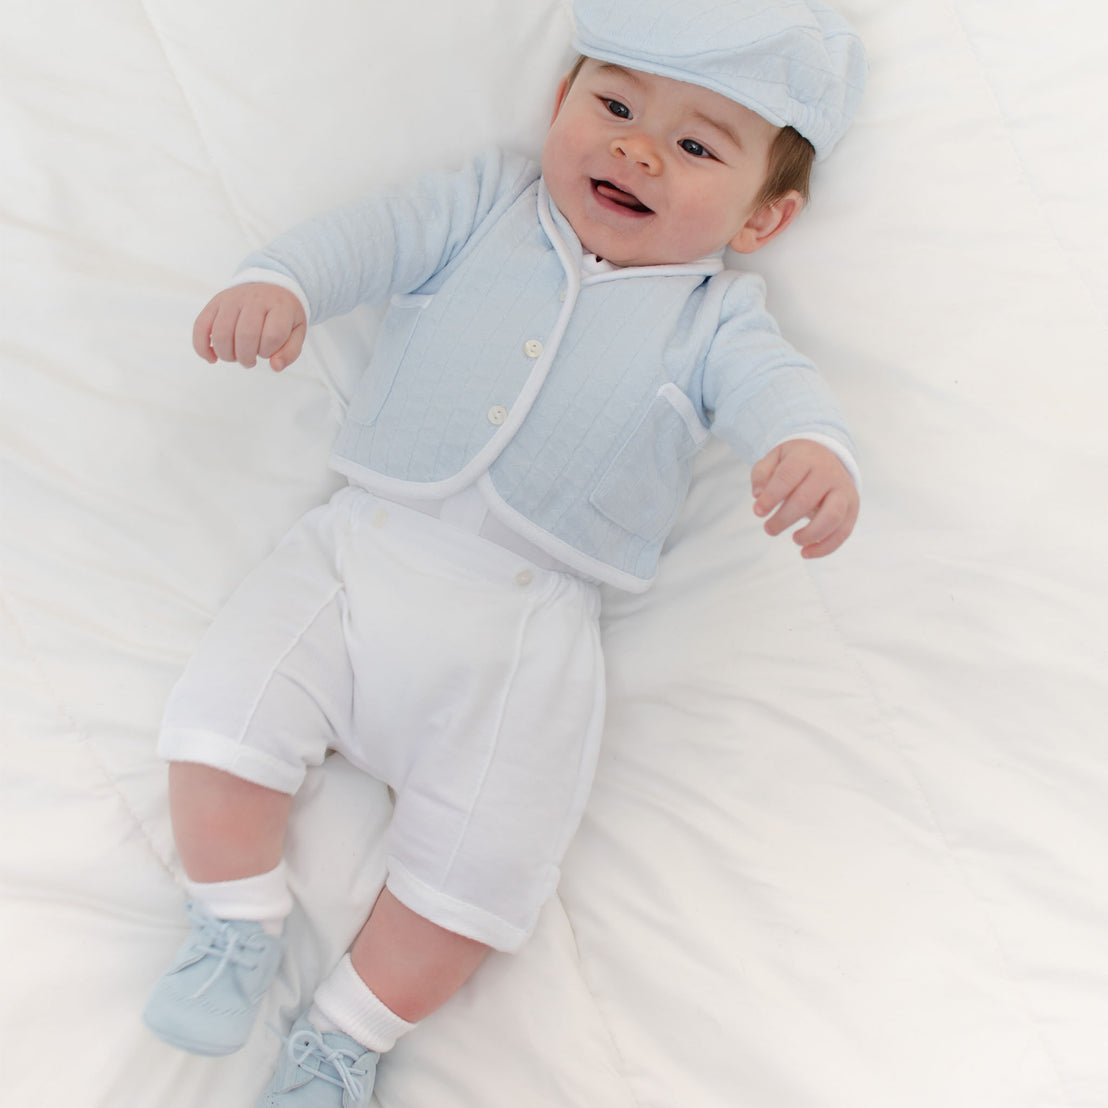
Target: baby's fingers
x=828 y=546
x=249 y=321
x=202 y=331
x=290 y=350
x=763 y=470
x=783 y=488
x=225 y=339
x=247 y=334
x=801 y=502
x=830 y=526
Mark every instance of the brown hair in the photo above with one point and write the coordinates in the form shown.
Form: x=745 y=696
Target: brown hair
x=790 y=158
x=790 y=166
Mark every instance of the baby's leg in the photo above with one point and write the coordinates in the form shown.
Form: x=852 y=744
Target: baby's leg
x=230 y=833
x=400 y=969
x=225 y=827
x=412 y=965
x=253 y=710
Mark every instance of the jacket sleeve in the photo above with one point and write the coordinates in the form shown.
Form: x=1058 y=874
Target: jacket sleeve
x=758 y=390
x=372 y=248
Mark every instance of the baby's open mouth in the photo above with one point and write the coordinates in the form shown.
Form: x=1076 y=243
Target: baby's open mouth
x=617 y=195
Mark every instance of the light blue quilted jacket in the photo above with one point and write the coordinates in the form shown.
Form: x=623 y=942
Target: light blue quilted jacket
x=576 y=404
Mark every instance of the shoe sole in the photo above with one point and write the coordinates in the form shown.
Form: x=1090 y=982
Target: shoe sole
x=192 y=1046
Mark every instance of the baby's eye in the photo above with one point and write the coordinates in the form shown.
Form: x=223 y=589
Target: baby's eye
x=621 y=111
x=691 y=146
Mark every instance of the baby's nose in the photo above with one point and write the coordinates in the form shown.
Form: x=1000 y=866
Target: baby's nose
x=638 y=148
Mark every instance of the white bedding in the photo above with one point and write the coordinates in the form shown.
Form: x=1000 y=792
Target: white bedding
x=847 y=847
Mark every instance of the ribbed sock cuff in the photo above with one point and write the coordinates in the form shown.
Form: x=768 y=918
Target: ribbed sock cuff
x=263 y=898
x=347 y=1002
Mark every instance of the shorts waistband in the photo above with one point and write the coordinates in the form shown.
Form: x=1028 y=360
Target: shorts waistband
x=466 y=511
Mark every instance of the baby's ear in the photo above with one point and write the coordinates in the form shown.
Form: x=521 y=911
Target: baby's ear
x=767 y=222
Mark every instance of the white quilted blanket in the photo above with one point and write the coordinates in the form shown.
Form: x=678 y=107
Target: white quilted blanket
x=847 y=846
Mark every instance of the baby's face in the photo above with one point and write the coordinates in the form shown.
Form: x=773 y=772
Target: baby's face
x=652 y=171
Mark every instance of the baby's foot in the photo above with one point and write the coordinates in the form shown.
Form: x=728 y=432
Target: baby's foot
x=208 y=999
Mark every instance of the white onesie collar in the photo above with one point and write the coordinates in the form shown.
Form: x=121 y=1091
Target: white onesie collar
x=592 y=266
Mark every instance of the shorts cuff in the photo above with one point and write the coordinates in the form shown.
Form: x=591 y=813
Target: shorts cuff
x=455 y=915
x=219 y=752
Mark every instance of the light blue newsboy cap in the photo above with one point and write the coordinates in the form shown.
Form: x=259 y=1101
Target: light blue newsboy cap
x=794 y=62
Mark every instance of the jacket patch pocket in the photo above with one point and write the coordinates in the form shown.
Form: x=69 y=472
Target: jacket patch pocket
x=644 y=487
x=375 y=385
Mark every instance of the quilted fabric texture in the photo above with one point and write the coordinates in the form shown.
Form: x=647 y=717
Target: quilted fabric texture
x=794 y=62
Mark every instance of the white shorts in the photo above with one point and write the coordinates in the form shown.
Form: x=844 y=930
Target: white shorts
x=465 y=677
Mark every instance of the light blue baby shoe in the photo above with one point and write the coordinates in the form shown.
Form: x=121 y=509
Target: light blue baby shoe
x=317 y=1069
x=208 y=999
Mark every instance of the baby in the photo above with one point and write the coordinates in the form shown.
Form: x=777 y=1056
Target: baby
x=561 y=341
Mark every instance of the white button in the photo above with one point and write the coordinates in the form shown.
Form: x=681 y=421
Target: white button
x=524 y=578
x=497 y=414
x=532 y=348
x=380 y=517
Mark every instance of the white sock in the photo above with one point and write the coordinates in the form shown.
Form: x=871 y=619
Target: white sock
x=263 y=898
x=344 y=1002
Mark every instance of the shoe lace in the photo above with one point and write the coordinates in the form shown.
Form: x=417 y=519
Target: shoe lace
x=223 y=940
x=308 y=1045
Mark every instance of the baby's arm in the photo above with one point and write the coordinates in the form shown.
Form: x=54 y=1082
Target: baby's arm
x=804 y=479
x=247 y=322
x=356 y=254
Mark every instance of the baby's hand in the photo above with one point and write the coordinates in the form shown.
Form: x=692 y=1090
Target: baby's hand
x=799 y=479
x=248 y=322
